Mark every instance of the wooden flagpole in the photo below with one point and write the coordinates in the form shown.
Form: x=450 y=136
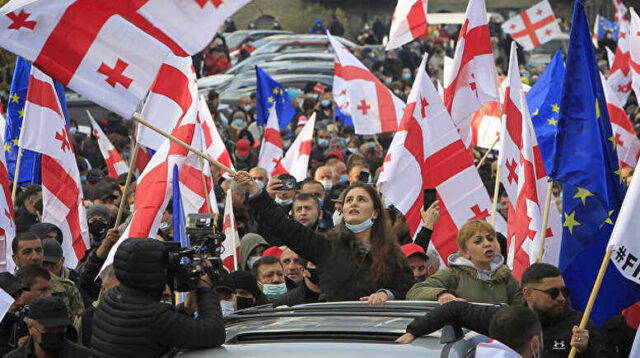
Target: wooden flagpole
x=123 y=200
x=206 y=189
x=136 y=117
x=16 y=176
x=545 y=220
x=484 y=157
x=496 y=188
x=592 y=297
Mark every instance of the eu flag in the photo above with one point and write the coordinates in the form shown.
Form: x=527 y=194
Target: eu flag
x=603 y=25
x=585 y=161
x=270 y=93
x=30 y=162
x=346 y=120
x=179 y=219
x=544 y=104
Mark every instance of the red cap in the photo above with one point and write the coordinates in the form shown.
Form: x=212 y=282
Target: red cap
x=336 y=154
x=412 y=249
x=302 y=120
x=242 y=147
x=273 y=251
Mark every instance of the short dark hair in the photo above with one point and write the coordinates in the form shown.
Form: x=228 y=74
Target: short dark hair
x=514 y=326
x=28 y=274
x=29 y=191
x=265 y=260
x=23 y=236
x=536 y=272
x=307 y=196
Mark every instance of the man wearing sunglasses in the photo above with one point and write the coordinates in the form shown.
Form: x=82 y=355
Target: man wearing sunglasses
x=545 y=293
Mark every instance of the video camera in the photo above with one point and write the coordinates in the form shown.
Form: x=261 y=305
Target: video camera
x=183 y=273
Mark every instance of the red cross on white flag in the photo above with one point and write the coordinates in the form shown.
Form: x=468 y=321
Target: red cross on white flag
x=296 y=160
x=427 y=152
x=625 y=140
x=122 y=46
x=214 y=145
x=115 y=165
x=534 y=26
x=271 y=151
x=44 y=130
x=620 y=76
x=409 y=22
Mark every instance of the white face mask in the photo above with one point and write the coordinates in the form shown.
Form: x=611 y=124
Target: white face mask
x=337 y=218
x=252 y=260
x=163 y=226
x=327 y=184
x=226 y=307
x=284 y=201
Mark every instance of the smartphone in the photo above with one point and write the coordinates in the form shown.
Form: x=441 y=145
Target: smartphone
x=364 y=177
x=288 y=184
x=429 y=196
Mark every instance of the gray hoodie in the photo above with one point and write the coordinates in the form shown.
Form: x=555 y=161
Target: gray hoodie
x=247 y=244
x=456 y=260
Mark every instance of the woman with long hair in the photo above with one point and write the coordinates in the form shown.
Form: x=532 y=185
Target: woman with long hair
x=360 y=260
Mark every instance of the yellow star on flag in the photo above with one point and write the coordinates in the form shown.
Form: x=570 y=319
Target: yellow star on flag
x=597 y=109
x=582 y=194
x=555 y=108
x=552 y=121
x=21 y=112
x=570 y=221
x=15 y=141
x=536 y=112
x=275 y=91
x=7 y=146
x=608 y=221
x=270 y=99
x=612 y=139
x=15 y=98
x=619 y=173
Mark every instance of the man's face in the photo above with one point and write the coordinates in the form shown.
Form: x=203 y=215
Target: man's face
x=292 y=268
x=542 y=302
x=36 y=330
x=271 y=274
x=339 y=169
x=286 y=194
x=504 y=205
x=40 y=288
x=314 y=189
x=53 y=234
x=305 y=212
x=29 y=252
x=418 y=265
x=323 y=173
x=259 y=175
x=322 y=134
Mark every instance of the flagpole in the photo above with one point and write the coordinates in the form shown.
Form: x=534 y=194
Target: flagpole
x=136 y=117
x=123 y=199
x=545 y=220
x=592 y=297
x=16 y=176
x=496 y=188
x=235 y=250
x=484 y=157
x=206 y=189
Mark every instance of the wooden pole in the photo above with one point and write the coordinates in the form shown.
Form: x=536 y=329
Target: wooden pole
x=484 y=157
x=592 y=297
x=123 y=200
x=16 y=177
x=206 y=189
x=494 y=206
x=136 y=117
x=545 y=220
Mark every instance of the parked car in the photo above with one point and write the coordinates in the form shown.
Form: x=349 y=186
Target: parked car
x=340 y=329
x=293 y=43
x=236 y=38
x=268 y=57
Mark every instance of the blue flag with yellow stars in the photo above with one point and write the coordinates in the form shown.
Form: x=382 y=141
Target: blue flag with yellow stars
x=605 y=25
x=270 y=93
x=585 y=161
x=544 y=104
x=30 y=162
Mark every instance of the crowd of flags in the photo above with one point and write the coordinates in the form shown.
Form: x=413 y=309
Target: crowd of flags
x=570 y=126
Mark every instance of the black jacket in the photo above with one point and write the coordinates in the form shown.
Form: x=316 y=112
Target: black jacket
x=556 y=332
x=12 y=328
x=69 y=350
x=89 y=282
x=299 y=295
x=129 y=323
x=344 y=275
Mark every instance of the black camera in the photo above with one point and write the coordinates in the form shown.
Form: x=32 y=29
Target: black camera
x=187 y=265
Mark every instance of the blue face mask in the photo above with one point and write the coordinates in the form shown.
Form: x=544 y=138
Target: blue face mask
x=344 y=178
x=247 y=108
x=387 y=203
x=260 y=184
x=83 y=178
x=323 y=143
x=407 y=76
x=321 y=202
x=388 y=80
x=357 y=228
x=274 y=291
x=325 y=103
x=238 y=122
x=73 y=130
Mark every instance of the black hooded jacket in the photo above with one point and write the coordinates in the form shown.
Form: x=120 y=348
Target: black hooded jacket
x=132 y=322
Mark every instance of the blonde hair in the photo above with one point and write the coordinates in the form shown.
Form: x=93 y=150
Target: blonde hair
x=471 y=228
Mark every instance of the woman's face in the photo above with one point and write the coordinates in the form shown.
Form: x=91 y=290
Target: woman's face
x=481 y=249
x=358 y=207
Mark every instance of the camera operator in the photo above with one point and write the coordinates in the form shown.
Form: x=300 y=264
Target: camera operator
x=132 y=322
x=11 y=327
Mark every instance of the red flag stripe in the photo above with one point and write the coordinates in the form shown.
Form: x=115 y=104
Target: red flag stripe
x=42 y=94
x=173 y=84
x=417 y=19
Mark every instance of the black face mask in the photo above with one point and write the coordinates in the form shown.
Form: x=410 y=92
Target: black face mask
x=243 y=302
x=421 y=278
x=98 y=230
x=315 y=279
x=52 y=342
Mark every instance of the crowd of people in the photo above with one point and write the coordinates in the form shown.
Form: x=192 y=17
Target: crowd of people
x=330 y=237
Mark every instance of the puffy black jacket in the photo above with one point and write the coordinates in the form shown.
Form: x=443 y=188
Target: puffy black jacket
x=556 y=331
x=344 y=274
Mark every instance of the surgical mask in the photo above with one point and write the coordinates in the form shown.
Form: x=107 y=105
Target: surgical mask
x=323 y=143
x=327 y=184
x=238 y=122
x=286 y=143
x=131 y=208
x=388 y=80
x=83 y=178
x=163 y=226
x=125 y=155
x=226 y=307
x=352 y=150
x=325 y=103
x=260 y=184
x=337 y=218
x=387 y=203
x=284 y=201
x=73 y=130
x=252 y=260
x=358 y=228
x=407 y=76
x=344 y=178
x=321 y=203
x=244 y=302
x=247 y=108
x=273 y=291
x=52 y=342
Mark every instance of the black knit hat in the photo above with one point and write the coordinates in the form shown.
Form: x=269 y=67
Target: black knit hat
x=246 y=281
x=140 y=263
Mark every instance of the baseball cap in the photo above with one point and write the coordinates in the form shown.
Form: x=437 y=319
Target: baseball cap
x=49 y=312
x=11 y=285
x=103 y=192
x=52 y=251
x=242 y=147
x=226 y=283
x=413 y=249
x=272 y=251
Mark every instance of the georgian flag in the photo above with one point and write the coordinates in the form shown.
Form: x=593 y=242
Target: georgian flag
x=44 y=130
x=110 y=51
x=408 y=23
x=7 y=221
x=634 y=51
x=296 y=161
x=271 y=151
x=534 y=26
x=620 y=73
x=214 y=145
x=427 y=152
x=231 y=245
x=624 y=137
x=115 y=165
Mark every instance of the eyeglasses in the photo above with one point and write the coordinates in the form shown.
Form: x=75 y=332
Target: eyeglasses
x=554 y=292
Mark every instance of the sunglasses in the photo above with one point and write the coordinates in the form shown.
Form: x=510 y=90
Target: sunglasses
x=554 y=292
